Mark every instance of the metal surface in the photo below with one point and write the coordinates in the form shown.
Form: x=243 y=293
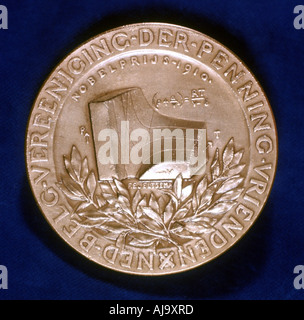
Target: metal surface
x=151 y=149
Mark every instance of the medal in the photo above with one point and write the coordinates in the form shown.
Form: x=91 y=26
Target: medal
x=151 y=149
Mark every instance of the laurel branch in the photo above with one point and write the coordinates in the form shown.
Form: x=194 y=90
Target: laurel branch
x=187 y=212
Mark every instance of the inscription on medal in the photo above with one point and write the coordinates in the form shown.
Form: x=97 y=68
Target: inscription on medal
x=151 y=149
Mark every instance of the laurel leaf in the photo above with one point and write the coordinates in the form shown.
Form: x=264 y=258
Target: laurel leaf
x=121 y=188
x=235 y=170
x=152 y=214
x=183 y=211
x=177 y=186
x=215 y=166
x=220 y=208
x=201 y=218
x=70 y=191
x=70 y=195
x=107 y=192
x=82 y=206
x=121 y=240
x=228 y=153
x=168 y=212
x=124 y=204
x=151 y=224
x=199 y=227
x=182 y=232
x=206 y=197
x=115 y=227
x=94 y=215
x=194 y=203
x=136 y=199
x=180 y=214
x=153 y=203
x=120 y=217
x=162 y=203
x=91 y=183
x=69 y=169
x=89 y=223
x=231 y=195
x=84 y=169
x=186 y=192
x=141 y=240
x=172 y=195
x=108 y=234
x=187 y=219
x=230 y=184
x=142 y=203
x=76 y=161
x=201 y=188
x=100 y=201
x=237 y=158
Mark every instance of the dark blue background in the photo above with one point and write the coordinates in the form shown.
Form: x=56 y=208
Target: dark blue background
x=261 y=265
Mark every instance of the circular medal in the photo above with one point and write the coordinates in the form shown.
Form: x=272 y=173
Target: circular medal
x=151 y=149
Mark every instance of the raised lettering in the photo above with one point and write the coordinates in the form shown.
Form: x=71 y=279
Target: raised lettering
x=189 y=256
x=56 y=90
x=87 y=242
x=234 y=77
x=66 y=76
x=248 y=95
x=91 y=81
x=126 y=259
x=110 y=254
x=258 y=186
x=71 y=230
x=43 y=172
x=204 y=248
x=181 y=38
x=206 y=47
x=76 y=65
x=47 y=107
x=260 y=170
x=260 y=125
x=248 y=213
x=163 y=38
x=49 y=197
x=264 y=144
x=119 y=41
x=63 y=213
x=235 y=225
x=251 y=200
x=146 y=37
x=254 y=106
x=86 y=54
x=41 y=121
x=218 y=240
x=38 y=139
x=100 y=50
x=220 y=58
x=38 y=154
x=148 y=261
